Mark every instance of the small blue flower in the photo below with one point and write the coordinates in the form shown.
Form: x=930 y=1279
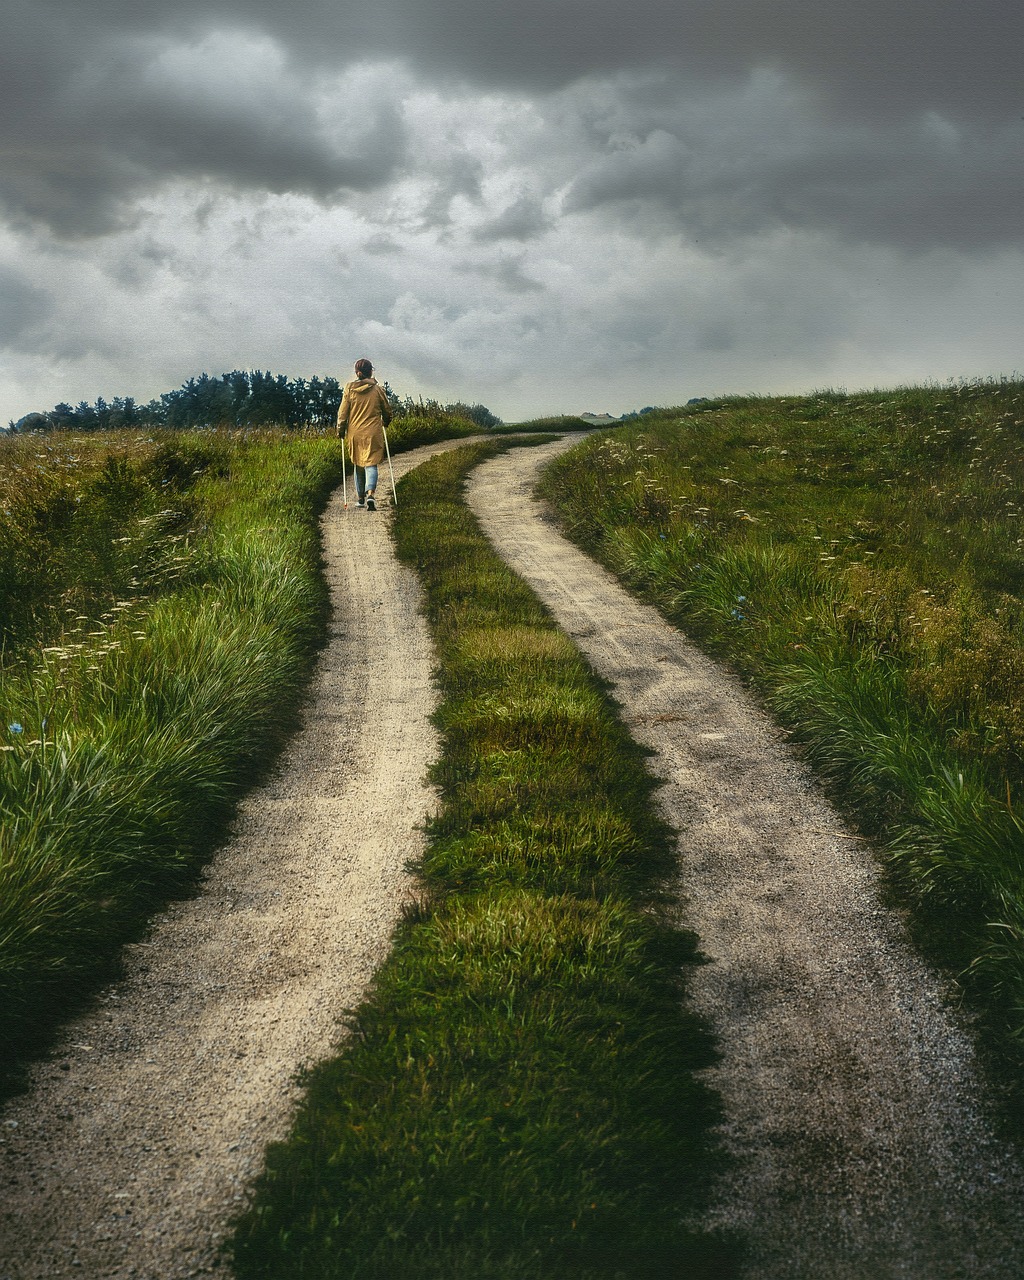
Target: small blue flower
x=15 y=727
x=741 y=599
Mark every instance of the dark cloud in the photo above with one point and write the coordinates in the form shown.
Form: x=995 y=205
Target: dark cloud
x=105 y=100
x=876 y=55
x=766 y=162
x=754 y=191
x=99 y=118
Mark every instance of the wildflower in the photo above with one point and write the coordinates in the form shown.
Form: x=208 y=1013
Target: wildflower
x=16 y=727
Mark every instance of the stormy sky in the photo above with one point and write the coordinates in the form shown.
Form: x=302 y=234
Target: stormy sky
x=543 y=205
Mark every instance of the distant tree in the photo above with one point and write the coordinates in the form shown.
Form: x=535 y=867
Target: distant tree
x=239 y=399
x=271 y=401
x=32 y=422
x=122 y=413
x=320 y=401
x=85 y=418
x=478 y=413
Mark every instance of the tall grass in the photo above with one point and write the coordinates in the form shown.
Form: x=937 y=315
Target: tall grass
x=168 y=620
x=517 y=1097
x=161 y=603
x=861 y=559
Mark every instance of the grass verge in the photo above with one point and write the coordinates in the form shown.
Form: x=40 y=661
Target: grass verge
x=516 y=1097
x=860 y=558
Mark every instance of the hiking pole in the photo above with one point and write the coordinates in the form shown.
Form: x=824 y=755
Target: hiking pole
x=394 y=496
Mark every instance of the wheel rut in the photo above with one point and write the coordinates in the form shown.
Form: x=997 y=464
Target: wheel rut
x=134 y=1146
x=862 y=1145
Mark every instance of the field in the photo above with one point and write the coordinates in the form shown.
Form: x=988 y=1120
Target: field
x=519 y=1095
x=860 y=558
x=160 y=605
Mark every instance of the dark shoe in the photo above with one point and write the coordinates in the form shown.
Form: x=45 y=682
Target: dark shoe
x=370 y=504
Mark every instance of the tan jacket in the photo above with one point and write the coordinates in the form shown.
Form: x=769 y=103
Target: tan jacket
x=362 y=416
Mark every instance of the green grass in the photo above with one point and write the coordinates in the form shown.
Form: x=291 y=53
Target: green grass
x=516 y=1097
x=161 y=603
x=415 y=429
x=560 y=424
x=860 y=558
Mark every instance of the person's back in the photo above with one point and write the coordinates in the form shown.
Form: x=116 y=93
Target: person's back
x=362 y=416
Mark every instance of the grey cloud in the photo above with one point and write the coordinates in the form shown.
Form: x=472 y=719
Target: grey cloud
x=875 y=55
x=89 y=126
x=382 y=246
x=23 y=308
x=453 y=171
x=510 y=275
x=781 y=137
x=523 y=219
x=722 y=168
x=104 y=102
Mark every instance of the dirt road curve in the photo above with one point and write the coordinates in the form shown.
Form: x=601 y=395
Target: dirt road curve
x=129 y=1155
x=863 y=1153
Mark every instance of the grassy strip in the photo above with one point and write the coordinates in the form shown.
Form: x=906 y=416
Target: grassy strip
x=560 y=424
x=516 y=1098
x=860 y=559
x=163 y=602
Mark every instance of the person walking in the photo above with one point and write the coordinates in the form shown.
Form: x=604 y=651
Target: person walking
x=363 y=414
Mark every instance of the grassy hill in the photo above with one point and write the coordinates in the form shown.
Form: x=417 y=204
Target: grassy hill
x=860 y=558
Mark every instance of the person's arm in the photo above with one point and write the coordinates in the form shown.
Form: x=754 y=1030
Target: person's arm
x=343 y=409
x=385 y=407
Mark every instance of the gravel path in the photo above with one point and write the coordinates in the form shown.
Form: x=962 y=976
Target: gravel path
x=863 y=1150
x=130 y=1153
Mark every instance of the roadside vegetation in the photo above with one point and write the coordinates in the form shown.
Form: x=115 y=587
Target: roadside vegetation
x=860 y=558
x=161 y=603
x=516 y=1097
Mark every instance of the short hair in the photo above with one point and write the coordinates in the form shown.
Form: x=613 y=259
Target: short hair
x=363 y=368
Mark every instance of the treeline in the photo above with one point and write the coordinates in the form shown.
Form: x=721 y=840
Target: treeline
x=242 y=398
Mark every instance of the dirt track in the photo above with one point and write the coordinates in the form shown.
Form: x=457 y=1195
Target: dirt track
x=131 y=1152
x=863 y=1151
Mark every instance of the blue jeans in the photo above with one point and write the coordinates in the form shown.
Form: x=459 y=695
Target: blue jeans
x=366 y=478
